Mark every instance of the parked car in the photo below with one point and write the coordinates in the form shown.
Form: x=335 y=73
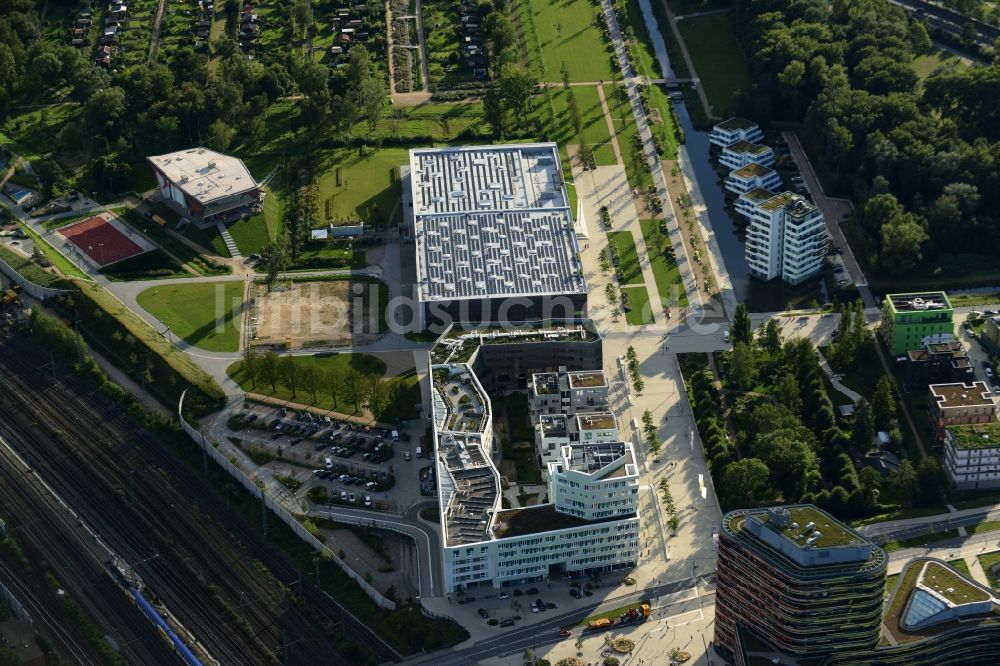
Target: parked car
x=565 y=631
x=482 y=613
x=575 y=592
x=531 y=590
x=507 y=622
x=503 y=595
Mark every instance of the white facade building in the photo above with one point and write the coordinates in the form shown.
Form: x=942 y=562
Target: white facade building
x=568 y=392
x=751 y=177
x=591 y=521
x=786 y=237
x=743 y=153
x=730 y=131
x=972 y=456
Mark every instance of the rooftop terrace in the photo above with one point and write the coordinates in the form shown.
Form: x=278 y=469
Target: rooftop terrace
x=474 y=488
x=734 y=124
x=832 y=533
x=948 y=396
x=587 y=379
x=554 y=425
x=976 y=436
x=752 y=170
x=951 y=585
x=777 y=202
x=757 y=195
x=546 y=383
x=919 y=302
x=595 y=421
x=590 y=458
x=748 y=148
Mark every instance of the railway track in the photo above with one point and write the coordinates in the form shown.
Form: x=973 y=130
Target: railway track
x=154 y=513
x=48 y=535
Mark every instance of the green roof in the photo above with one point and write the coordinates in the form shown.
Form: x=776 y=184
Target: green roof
x=834 y=533
x=748 y=147
x=777 y=202
x=976 y=435
x=951 y=585
x=758 y=194
x=736 y=124
x=751 y=170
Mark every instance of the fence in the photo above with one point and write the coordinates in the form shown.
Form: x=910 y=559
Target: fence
x=30 y=288
x=251 y=485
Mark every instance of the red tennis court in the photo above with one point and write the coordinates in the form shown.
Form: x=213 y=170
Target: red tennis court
x=100 y=241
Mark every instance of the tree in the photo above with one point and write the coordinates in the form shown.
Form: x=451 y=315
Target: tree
x=870 y=481
x=251 y=365
x=515 y=86
x=220 y=135
x=275 y=258
x=790 y=80
x=334 y=383
x=302 y=15
x=269 y=369
x=745 y=482
x=353 y=390
x=310 y=376
x=883 y=404
x=289 y=371
x=902 y=241
x=864 y=426
x=770 y=337
x=903 y=482
x=741 y=330
x=742 y=366
x=930 y=482
x=788 y=393
x=791 y=461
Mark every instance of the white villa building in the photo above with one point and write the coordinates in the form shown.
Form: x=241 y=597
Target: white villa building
x=786 y=237
x=742 y=153
x=751 y=177
x=730 y=131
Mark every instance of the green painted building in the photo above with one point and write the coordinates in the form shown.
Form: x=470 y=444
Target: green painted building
x=909 y=318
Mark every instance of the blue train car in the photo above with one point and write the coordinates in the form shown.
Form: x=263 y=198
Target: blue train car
x=164 y=628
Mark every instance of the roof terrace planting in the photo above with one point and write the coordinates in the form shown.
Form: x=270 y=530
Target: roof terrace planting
x=734 y=124
x=976 y=436
x=777 y=202
x=587 y=379
x=950 y=585
x=833 y=533
x=535 y=519
x=752 y=170
x=596 y=421
x=748 y=147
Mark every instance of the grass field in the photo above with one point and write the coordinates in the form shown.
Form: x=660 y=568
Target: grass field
x=641 y=312
x=406 y=385
x=715 y=50
x=662 y=120
x=204 y=314
x=681 y=7
x=65 y=266
x=985 y=526
x=369 y=189
x=667 y=274
x=567 y=32
x=146 y=266
x=33 y=133
x=593 y=125
x=960 y=300
x=927 y=64
x=627 y=132
x=630 y=268
x=28 y=269
x=190 y=258
x=988 y=560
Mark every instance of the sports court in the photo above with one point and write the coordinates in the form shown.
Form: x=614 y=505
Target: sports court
x=103 y=241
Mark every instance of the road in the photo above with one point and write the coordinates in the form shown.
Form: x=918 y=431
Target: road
x=950 y=21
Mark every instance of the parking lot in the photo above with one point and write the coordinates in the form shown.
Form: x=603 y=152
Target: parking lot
x=328 y=461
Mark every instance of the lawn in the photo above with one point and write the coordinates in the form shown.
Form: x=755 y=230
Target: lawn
x=641 y=312
x=593 y=125
x=987 y=561
x=914 y=542
x=33 y=133
x=629 y=268
x=613 y=614
x=28 y=269
x=189 y=257
x=960 y=566
x=714 y=47
x=665 y=270
x=925 y=65
x=204 y=314
x=406 y=385
x=985 y=526
x=65 y=266
x=567 y=32
x=146 y=266
x=963 y=300
x=369 y=189
x=625 y=128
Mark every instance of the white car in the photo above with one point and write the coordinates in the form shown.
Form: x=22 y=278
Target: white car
x=503 y=595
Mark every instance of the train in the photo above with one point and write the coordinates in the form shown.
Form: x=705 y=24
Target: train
x=131 y=585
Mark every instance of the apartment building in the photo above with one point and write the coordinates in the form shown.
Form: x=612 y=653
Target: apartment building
x=730 y=131
x=908 y=319
x=742 y=153
x=786 y=236
x=565 y=392
x=959 y=404
x=595 y=481
x=751 y=177
x=972 y=456
x=938 y=363
x=554 y=431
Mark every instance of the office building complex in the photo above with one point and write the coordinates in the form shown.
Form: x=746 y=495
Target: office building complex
x=730 y=131
x=494 y=234
x=786 y=236
x=590 y=522
x=972 y=456
x=959 y=404
x=797 y=579
x=909 y=320
x=568 y=392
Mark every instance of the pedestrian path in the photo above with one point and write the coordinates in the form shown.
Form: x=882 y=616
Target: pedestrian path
x=835 y=380
x=234 y=252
